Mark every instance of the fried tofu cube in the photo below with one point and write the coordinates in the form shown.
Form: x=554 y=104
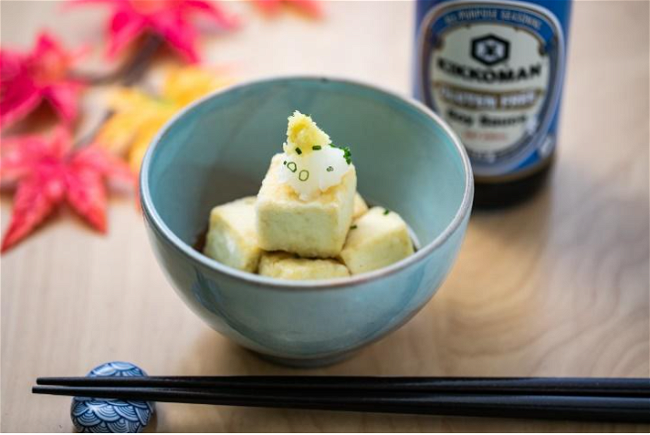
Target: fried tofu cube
x=360 y=207
x=232 y=236
x=287 y=266
x=314 y=228
x=377 y=239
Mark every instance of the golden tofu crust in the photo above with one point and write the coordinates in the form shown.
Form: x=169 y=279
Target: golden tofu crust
x=232 y=235
x=314 y=228
x=378 y=239
x=360 y=206
x=287 y=266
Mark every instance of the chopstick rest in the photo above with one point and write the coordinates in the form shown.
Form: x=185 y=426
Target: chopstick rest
x=111 y=415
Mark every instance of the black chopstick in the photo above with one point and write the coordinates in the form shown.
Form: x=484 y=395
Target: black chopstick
x=593 y=408
x=543 y=386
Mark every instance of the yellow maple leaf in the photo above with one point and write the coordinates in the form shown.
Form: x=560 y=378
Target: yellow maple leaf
x=185 y=85
x=144 y=136
x=137 y=116
x=131 y=110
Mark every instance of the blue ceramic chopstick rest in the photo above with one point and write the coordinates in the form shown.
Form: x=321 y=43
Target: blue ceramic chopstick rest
x=111 y=415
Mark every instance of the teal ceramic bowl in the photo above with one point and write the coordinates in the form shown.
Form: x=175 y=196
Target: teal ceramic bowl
x=219 y=148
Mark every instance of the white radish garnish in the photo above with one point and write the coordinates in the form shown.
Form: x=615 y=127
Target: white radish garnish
x=311 y=163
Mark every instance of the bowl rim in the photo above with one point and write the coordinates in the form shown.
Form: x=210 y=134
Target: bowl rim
x=179 y=245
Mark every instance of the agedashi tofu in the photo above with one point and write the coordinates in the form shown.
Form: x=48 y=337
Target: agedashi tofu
x=360 y=206
x=314 y=228
x=232 y=236
x=377 y=239
x=286 y=266
x=308 y=221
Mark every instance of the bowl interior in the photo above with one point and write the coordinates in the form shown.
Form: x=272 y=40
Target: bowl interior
x=219 y=150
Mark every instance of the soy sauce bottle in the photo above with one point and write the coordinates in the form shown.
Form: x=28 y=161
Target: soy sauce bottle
x=494 y=69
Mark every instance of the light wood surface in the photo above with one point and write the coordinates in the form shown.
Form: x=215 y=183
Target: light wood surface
x=556 y=287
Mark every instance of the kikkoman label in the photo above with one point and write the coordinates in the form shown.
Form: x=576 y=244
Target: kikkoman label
x=493 y=71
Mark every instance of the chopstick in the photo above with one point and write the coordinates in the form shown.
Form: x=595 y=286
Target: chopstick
x=531 y=386
x=594 y=408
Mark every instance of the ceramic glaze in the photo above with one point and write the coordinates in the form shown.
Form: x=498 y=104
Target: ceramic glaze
x=111 y=415
x=218 y=150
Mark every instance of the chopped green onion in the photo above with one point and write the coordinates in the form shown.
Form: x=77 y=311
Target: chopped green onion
x=347 y=154
x=330 y=169
x=316 y=147
x=303 y=175
x=299 y=151
x=386 y=211
x=284 y=163
x=353 y=227
x=292 y=166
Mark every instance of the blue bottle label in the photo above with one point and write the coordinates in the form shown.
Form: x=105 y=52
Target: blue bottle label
x=493 y=70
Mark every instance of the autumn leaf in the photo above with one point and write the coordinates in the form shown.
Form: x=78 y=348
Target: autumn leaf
x=40 y=75
x=172 y=20
x=48 y=173
x=311 y=8
x=137 y=116
x=132 y=110
x=185 y=85
x=35 y=199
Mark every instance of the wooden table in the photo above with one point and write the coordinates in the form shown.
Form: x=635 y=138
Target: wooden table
x=556 y=287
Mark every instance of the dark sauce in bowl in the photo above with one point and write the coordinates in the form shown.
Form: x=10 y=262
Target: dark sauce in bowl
x=200 y=239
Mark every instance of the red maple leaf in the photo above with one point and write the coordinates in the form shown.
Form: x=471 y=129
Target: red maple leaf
x=171 y=20
x=27 y=79
x=48 y=173
x=309 y=7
